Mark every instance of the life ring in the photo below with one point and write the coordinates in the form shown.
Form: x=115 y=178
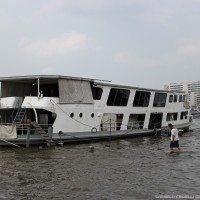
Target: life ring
x=94 y=130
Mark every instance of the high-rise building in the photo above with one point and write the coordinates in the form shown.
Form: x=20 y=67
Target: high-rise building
x=192 y=90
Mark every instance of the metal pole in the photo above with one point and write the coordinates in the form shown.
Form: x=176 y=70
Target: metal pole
x=110 y=132
x=108 y=145
x=50 y=131
x=155 y=131
x=28 y=137
x=38 y=87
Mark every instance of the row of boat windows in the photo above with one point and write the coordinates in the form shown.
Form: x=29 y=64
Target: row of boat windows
x=81 y=115
x=119 y=97
x=174 y=98
x=174 y=116
x=169 y=117
x=113 y=121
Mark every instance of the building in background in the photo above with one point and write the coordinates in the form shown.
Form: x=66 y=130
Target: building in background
x=192 y=90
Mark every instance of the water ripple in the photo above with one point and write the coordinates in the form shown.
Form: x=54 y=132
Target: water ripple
x=137 y=168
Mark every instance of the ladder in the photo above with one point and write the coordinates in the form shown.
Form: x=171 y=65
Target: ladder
x=19 y=116
x=41 y=131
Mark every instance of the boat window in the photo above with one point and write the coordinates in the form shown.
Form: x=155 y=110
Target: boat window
x=175 y=98
x=180 y=98
x=72 y=115
x=159 y=100
x=170 y=98
x=171 y=116
x=141 y=99
x=155 y=120
x=49 y=90
x=92 y=115
x=15 y=89
x=97 y=93
x=111 y=122
x=80 y=115
x=118 y=97
x=7 y=116
x=183 y=98
x=184 y=115
x=136 y=121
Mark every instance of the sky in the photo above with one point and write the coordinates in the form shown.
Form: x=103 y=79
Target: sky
x=145 y=43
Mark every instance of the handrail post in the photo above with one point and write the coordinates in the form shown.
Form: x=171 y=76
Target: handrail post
x=38 y=82
x=28 y=136
x=110 y=132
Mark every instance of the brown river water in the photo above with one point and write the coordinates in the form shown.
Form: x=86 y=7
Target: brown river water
x=130 y=169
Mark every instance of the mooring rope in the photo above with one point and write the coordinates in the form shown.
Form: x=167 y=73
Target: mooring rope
x=11 y=143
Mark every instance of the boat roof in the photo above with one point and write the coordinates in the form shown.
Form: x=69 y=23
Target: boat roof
x=44 y=78
x=50 y=79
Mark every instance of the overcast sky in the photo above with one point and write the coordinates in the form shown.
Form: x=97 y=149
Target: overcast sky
x=145 y=43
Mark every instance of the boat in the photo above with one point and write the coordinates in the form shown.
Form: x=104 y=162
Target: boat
x=55 y=109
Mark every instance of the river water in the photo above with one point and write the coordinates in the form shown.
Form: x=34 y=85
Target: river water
x=136 y=168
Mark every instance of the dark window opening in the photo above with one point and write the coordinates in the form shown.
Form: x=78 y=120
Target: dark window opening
x=175 y=98
x=118 y=97
x=97 y=93
x=141 y=99
x=7 y=116
x=159 y=100
x=184 y=115
x=180 y=98
x=170 y=98
x=155 y=120
x=47 y=90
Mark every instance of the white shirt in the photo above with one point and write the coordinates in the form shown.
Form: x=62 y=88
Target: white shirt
x=174 y=132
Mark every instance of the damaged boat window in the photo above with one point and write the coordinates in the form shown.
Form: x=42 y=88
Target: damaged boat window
x=159 y=100
x=141 y=99
x=118 y=97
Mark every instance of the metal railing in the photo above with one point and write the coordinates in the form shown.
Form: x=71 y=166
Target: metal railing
x=135 y=125
x=23 y=128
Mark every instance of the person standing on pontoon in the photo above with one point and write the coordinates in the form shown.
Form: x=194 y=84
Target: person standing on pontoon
x=174 y=138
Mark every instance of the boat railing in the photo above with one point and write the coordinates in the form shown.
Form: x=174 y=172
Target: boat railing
x=154 y=125
x=111 y=125
x=22 y=128
x=116 y=125
x=135 y=125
